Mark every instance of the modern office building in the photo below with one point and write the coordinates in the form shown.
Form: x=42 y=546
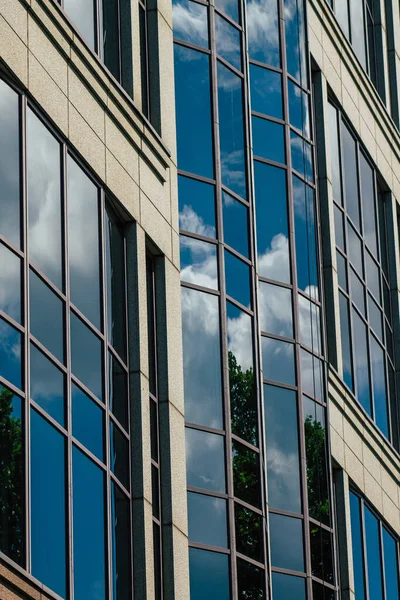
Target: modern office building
x=199 y=300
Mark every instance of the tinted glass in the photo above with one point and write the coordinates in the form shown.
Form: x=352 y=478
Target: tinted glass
x=278 y=361
x=354 y=249
x=391 y=565
x=9 y=165
x=111 y=37
x=230 y=7
x=12 y=540
x=201 y=354
x=357 y=546
x=86 y=356
x=342 y=15
x=312 y=375
x=196 y=206
x=286 y=587
x=115 y=274
x=282 y=448
x=368 y=202
x=361 y=363
x=118 y=391
x=87 y=422
x=357 y=292
x=236 y=225
x=271 y=222
x=345 y=339
x=119 y=455
x=339 y=230
x=237 y=279
x=379 y=386
x=230 y=106
x=44 y=200
x=10 y=354
x=121 y=551
x=10 y=283
x=47 y=316
x=265 y=91
x=190 y=22
x=357 y=30
x=373 y=276
x=209 y=575
x=295 y=40
x=198 y=262
x=373 y=547
x=305 y=232
x=249 y=533
x=268 y=139
x=286 y=539
x=342 y=271
x=276 y=313
x=251 y=581
x=205 y=460
x=207 y=520
x=246 y=474
x=299 y=111
x=350 y=175
x=83 y=243
x=263 y=31
x=321 y=553
x=192 y=96
x=82 y=15
x=375 y=318
x=48 y=510
x=335 y=159
x=310 y=324
x=228 y=41
x=47 y=385
x=302 y=160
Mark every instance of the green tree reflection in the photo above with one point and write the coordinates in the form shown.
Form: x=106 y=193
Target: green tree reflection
x=243 y=401
x=317 y=482
x=11 y=478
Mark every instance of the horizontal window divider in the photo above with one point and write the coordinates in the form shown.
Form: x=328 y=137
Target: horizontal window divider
x=272 y=163
x=251 y=561
x=115 y=422
x=190 y=425
x=153 y=398
x=13 y=388
x=253 y=509
x=239 y=256
x=86 y=321
x=192 y=46
x=235 y=195
x=247 y=444
x=299 y=84
x=120 y=485
x=11 y=247
x=287 y=386
x=301 y=135
x=288 y=572
x=286 y=513
x=219 y=12
x=245 y=309
x=200 y=288
x=89 y=454
x=156 y=521
x=85 y=389
x=320 y=524
x=217 y=549
x=196 y=236
x=48 y=282
x=308 y=182
x=197 y=177
x=323 y=583
x=12 y=321
x=155 y=463
x=274 y=336
x=48 y=418
x=258 y=63
x=288 y=286
x=204 y=492
x=312 y=300
x=229 y=66
x=316 y=400
x=117 y=357
x=203 y=2
x=48 y=354
x=311 y=351
x=267 y=117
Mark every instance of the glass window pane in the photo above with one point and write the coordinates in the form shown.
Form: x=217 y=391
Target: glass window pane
x=246 y=474
x=249 y=533
x=205 y=460
x=190 y=22
x=265 y=89
x=321 y=592
x=263 y=31
x=391 y=565
x=231 y=132
x=287 y=587
x=202 y=354
x=192 y=96
x=10 y=354
x=268 y=139
x=342 y=15
x=10 y=283
x=355 y=250
x=237 y=279
x=310 y=324
x=375 y=318
x=251 y=581
x=305 y=236
x=86 y=356
x=272 y=222
x=209 y=575
x=207 y=520
x=236 y=224
x=358 y=30
x=278 y=361
x=373 y=548
x=276 y=313
x=111 y=40
x=299 y=108
x=357 y=546
x=47 y=316
x=10 y=223
x=342 y=272
x=88 y=528
x=121 y=546
x=228 y=42
x=87 y=422
x=321 y=553
x=357 y=292
x=312 y=374
x=12 y=538
x=379 y=386
x=286 y=539
x=44 y=200
x=82 y=15
x=345 y=339
x=373 y=276
x=196 y=206
x=302 y=160
x=119 y=455
x=282 y=448
x=115 y=274
x=339 y=230
x=230 y=7
x=47 y=385
x=335 y=157
x=368 y=202
x=83 y=243
x=48 y=509
x=118 y=390
x=295 y=40
x=361 y=363
x=198 y=262
x=350 y=175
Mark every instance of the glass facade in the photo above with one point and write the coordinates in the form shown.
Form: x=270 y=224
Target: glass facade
x=65 y=459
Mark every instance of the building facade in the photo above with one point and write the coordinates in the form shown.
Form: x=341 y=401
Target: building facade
x=199 y=300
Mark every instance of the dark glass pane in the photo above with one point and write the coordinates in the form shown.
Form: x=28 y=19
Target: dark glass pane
x=209 y=575
x=373 y=548
x=83 y=243
x=299 y=109
x=302 y=160
x=361 y=363
x=237 y=279
x=111 y=37
x=287 y=587
x=86 y=356
x=47 y=316
x=391 y=565
x=10 y=283
x=192 y=97
x=9 y=165
x=198 y=262
x=205 y=460
x=272 y=222
x=119 y=455
x=230 y=7
x=268 y=139
x=317 y=461
x=10 y=354
x=154 y=430
x=342 y=272
x=278 y=361
x=339 y=230
x=379 y=386
x=47 y=385
x=312 y=374
x=342 y=15
x=83 y=16
x=207 y=520
x=228 y=42
x=321 y=553
x=201 y=354
x=263 y=31
x=357 y=546
x=44 y=200
x=249 y=533
x=335 y=157
x=118 y=390
x=276 y=313
x=12 y=505
x=286 y=540
x=236 y=224
x=121 y=545
x=305 y=234
x=350 y=175
x=151 y=325
x=373 y=276
x=358 y=31
x=354 y=250
x=196 y=205
x=345 y=339
x=251 y=581
x=155 y=489
x=310 y=324
x=383 y=233
x=87 y=422
x=190 y=22
x=368 y=202
x=115 y=274
x=375 y=318
x=48 y=509
x=231 y=132
x=265 y=90
x=282 y=448
x=295 y=40
x=321 y=592
x=157 y=561
x=357 y=292
x=241 y=374
x=88 y=528
x=246 y=474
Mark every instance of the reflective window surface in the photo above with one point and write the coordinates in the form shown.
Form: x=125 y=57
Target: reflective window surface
x=263 y=40
x=266 y=91
x=207 y=520
x=47 y=318
x=283 y=555
x=10 y=283
x=205 y=460
x=47 y=385
x=268 y=140
x=197 y=206
x=209 y=575
x=287 y=587
x=190 y=22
